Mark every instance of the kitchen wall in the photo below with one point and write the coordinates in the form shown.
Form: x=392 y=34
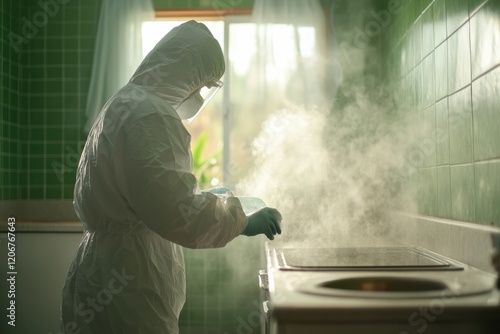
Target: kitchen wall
x=47 y=58
x=10 y=148
x=442 y=58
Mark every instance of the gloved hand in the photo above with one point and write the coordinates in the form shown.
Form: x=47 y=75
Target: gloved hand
x=217 y=190
x=265 y=221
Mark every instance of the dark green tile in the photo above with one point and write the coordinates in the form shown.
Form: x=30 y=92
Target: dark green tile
x=36 y=134
x=70 y=43
x=54 y=133
x=36 y=162
x=11 y=179
x=485 y=38
x=54 y=118
x=68 y=191
x=71 y=29
x=71 y=87
x=53 y=178
x=23 y=177
x=53 y=193
x=442 y=133
x=86 y=57
x=71 y=57
x=457 y=12
x=54 y=28
x=37 y=178
x=459 y=67
x=486 y=102
x=23 y=192
x=54 y=87
x=70 y=176
x=38 y=87
x=54 y=72
x=462 y=192
x=89 y=14
x=57 y=169
x=36 y=148
x=71 y=134
x=14 y=147
x=488 y=192
x=37 y=118
x=4 y=162
x=53 y=148
x=70 y=119
x=86 y=44
x=36 y=192
x=35 y=72
x=54 y=57
x=71 y=71
x=36 y=102
x=88 y=29
x=37 y=44
x=460 y=126
x=54 y=43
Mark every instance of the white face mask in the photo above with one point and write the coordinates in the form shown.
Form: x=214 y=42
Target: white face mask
x=190 y=106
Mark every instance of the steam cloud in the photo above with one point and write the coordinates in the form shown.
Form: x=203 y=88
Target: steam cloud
x=332 y=174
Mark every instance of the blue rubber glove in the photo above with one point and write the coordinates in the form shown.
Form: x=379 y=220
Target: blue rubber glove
x=217 y=190
x=265 y=221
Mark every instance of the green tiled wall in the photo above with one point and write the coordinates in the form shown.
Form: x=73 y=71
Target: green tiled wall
x=56 y=72
x=445 y=56
x=10 y=122
x=47 y=52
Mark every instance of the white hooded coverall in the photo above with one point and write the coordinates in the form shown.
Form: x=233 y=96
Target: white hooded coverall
x=138 y=199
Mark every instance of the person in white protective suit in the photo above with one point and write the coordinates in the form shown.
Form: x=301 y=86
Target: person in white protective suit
x=138 y=198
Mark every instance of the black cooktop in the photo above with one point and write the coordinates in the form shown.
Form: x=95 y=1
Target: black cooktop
x=365 y=258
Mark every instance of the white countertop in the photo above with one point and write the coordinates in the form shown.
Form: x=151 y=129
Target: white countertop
x=291 y=297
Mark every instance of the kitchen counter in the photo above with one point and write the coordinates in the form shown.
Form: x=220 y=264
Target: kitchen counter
x=297 y=305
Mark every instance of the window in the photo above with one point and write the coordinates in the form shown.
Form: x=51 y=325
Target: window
x=232 y=120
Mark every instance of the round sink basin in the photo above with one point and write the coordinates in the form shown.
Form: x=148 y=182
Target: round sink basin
x=385 y=284
x=381 y=287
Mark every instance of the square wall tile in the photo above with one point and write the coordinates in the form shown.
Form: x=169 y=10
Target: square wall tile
x=417 y=87
x=427 y=32
x=417 y=41
x=442 y=133
x=443 y=192
x=488 y=192
x=428 y=142
x=485 y=38
x=427 y=191
x=459 y=59
x=462 y=192
x=457 y=12
x=486 y=102
x=474 y=5
x=460 y=126
x=441 y=70
x=428 y=75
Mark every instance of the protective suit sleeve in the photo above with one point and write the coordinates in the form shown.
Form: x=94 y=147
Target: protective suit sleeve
x=153 y=165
